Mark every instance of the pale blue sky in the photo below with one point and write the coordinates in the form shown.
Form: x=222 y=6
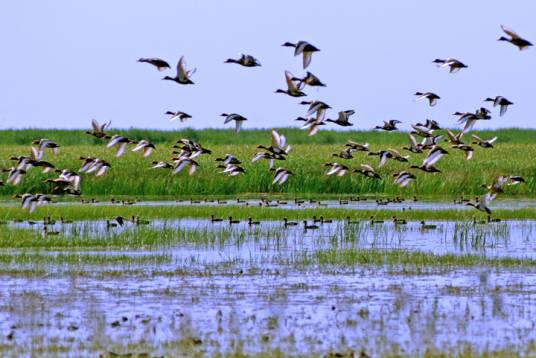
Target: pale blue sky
x=65 y=62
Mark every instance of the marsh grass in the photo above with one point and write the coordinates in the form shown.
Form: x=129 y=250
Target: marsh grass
x=131 y=174
x=355 y=257
x=55 y=258
x=95 y=212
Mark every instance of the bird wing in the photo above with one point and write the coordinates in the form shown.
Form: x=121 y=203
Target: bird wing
x=432 y=158
x=413 y=141
x=291 y=86
x=307 y=56
x=367 y=168
x=510 y=32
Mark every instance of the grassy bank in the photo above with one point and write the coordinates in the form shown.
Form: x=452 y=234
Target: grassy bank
x=91 y=212
x=131 y=174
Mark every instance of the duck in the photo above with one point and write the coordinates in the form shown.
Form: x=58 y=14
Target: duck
x=514 y=39
x=228 y=159
x=251 y=222
x=368 y=171
x=500 y=101
x=454 y=138
x=481 y=142
x=122 y=143
x=292 y=89
x=287 y=223
x=310 y=80
x=325 y=221
x=180 y=115
x=47 y=232
x=356 y=147
x=162 y=165
x=268 y=156
x=467 y=149
x=215 y=219
x=483 y=202
x=234 y=117
x=144 y=145
x=515 y=179
x=281 y=175
x=425 y=226
x=403 y=178
x=232 y=169
x=398 y=221
x=183 y=76
x=231 y=221
x=305 y=48
x=337 y=169
x=63 y=221
x=43 y=144
x=374 y=221
x=98 y=129
x=430 y=96
x=110 y=224
x=489 y=219
x=414 y=147
x=31 y=201
x=245 y=60
x=453 y=63
x=278 y=146
x=344 y=154
x=160 y=64
x=389 y=125
x=183 y=162
x=307 y=226
x=343 y=118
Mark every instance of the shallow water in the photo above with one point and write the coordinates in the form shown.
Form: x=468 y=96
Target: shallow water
x=245 y=291
x=512 y=238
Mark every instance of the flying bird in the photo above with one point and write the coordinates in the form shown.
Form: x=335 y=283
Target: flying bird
x=234 y=117
x=245 y=60
x=182 y=116
x=156 y=62
x=500 y=101
x=292 y=89
x=514 y=39
x=305 y=48
x=454 y=64
x=183 y=76
x=430 y=96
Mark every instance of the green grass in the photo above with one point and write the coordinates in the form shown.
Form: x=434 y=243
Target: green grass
x=91 y=212
x=131 y=174
x=45 y=258
x=354 y=257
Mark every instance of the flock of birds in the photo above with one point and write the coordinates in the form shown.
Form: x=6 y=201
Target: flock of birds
x=186 y=151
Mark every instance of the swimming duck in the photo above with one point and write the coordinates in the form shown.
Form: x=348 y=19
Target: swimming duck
x=500 y=101
x=374 y=221
x=305 y=48
x=231 y=221
x=289 y=223
x=182 y=116
x=514 y=39
x=214 y=219
x=156 y=62
x=245 y=60
x=183 y=76
x=425 y=226
x=292 y=89
x=234 y=117
x=398 y=221
x=430 y=96
x=307 y=226
x=454 y=64
x=251 y=222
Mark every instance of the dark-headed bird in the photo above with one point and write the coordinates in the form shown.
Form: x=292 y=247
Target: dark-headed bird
x=182 y=116
x=389 y=125
x=234 y=117
x=430 y=96
x=156 y=62
x=292 y=88
x=454 y=64
x=343 y=119
x=500 y=101
x=245 y=60
x=183 y=76
x=514 y=39
x=305 y=48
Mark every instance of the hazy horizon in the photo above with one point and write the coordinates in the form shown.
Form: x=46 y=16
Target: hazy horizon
x=71 y=62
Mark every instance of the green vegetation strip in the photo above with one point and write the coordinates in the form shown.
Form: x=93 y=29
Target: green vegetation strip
x=92 y=212
x=354 y=257
x=40 y=258
x=131 y=174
